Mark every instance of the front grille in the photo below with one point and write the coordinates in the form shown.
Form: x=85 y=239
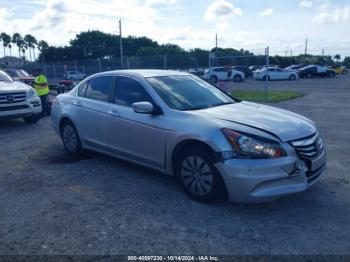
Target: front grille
x=10 y=108
x=308 y=148
x=8 y=98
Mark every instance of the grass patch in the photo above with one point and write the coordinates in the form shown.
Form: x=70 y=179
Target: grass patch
x=259 y=96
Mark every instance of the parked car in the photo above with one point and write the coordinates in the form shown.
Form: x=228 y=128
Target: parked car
x=316 y=70
x=20 y=75
x=216 y=74
x=247 y=72
x=181 y=125
x=275 y=73
x=294 y=68
x=74 y=75
x=339 y=70
x=18 y=100
x=255 y=67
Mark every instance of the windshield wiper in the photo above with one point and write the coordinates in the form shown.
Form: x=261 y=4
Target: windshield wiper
x=224 y=103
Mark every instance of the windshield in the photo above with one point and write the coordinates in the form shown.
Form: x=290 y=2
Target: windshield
x=5 y=77
x=22 y=73
x=188 y=92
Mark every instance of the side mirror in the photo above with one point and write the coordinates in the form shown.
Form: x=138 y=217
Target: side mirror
x=143 y=107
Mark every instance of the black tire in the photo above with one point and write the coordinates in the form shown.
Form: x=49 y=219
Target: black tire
x=214 y=79
x=268 y=78
x=309 y=75
x=237 y=78
x=31 y=119
x=70 y=138
x=198 y=177
x=292 y=77
x=331 y=75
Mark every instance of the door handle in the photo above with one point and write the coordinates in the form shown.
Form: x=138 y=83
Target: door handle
x=113 y=113
x=78 y=103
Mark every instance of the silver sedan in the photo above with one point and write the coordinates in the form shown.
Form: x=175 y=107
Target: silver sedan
x=176 y=123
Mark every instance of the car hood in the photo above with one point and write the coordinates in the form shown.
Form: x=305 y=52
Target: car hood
x=284 y=124
x=13 y=86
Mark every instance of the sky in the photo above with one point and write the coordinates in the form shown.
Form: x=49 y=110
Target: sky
x=283 y=25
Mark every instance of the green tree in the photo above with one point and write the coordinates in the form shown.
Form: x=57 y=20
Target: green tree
x=31 y=43
x=6 y=40
x=18 y=41
x=337 y=58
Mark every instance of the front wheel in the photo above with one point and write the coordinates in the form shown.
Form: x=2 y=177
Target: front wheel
x=70 y=138
x=237 y=78
x=331 y=75
x=198 y=176
x=31 y=119
x=214 y=79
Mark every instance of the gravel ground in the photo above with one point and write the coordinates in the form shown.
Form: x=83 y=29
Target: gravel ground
x=52 y=204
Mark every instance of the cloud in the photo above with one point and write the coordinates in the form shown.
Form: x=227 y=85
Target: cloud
x=306 y=3
x=330 y=14
x=160 y=2
x=266 y=12
x=221 y=9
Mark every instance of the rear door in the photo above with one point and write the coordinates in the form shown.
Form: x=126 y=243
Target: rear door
x=92 y=111
x=135 y=136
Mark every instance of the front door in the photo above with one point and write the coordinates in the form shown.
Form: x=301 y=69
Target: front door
x=133 y=135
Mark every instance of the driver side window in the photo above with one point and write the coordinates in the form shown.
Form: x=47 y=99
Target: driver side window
x=130 y=91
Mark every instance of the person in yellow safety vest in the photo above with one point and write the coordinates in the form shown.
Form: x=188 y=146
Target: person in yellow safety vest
x=42 y=89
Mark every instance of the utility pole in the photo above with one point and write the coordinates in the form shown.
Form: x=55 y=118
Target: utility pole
x=216 y=43
x=305 y=46
x=267 y=54
x=121 y=44
x=322 y=51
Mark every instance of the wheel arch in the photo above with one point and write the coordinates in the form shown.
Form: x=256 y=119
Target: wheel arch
x=191 y=143
x=64 y=119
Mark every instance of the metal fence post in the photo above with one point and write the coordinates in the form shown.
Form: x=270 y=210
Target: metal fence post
x=165 y=62
x=267 y=73
x=54 y=71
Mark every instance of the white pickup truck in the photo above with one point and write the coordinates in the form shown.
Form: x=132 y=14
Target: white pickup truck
x=18 y=100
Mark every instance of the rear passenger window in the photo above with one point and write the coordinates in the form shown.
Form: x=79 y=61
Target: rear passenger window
x=99 y=88
x=130 y=91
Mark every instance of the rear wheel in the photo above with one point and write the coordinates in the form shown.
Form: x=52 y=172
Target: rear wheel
x=292 y=77
x=70 y=138
x=31 y=119
x=198 y=176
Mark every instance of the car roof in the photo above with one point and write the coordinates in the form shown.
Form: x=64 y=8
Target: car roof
x=145 y=72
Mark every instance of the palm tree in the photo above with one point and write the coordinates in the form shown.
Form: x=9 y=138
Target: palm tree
x=337 y=57
x=6 y=40
x=30 y=42
x=42 y=46
x=18 y=40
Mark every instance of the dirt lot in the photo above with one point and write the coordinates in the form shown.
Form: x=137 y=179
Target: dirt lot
x=51 y=204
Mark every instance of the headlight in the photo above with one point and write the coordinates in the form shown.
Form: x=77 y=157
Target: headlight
x=31 y=93
x=245 y=146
